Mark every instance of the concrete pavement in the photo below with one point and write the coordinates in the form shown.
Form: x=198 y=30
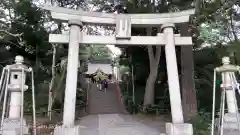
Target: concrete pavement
x=113 y=124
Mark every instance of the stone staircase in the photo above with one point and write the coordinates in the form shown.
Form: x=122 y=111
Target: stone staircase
x=100 y=102
x=107 y=116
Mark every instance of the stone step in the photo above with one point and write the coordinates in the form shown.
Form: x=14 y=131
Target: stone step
x=231 y=125
x=104 y=102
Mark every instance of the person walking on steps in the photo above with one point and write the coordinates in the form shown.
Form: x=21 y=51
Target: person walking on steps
x=105 y=85
x=99 y=84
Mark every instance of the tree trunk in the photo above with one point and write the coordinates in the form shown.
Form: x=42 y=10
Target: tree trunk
x=153 y=63
x=37 y=69
x=149 y=90
x=60 y=84
x=51 y=83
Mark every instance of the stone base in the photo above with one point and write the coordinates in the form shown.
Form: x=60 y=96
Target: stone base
x=230 y=121
x=13 y=127
x=230 y=132
x=230 y=124
x=62 y=130
x=179 y=129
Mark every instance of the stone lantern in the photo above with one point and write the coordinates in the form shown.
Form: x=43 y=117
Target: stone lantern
x=14 y=123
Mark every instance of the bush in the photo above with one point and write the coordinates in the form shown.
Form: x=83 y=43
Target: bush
x=201 y=124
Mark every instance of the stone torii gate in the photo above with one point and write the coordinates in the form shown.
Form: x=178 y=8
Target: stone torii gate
x=123 y=23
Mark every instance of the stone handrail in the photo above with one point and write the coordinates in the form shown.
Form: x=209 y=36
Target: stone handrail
x=119 y=94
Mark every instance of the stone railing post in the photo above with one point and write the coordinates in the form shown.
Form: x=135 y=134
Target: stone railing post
x=231 y=122
x=228 y=82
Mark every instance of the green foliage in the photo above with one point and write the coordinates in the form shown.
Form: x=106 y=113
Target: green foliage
x=84 y=53
x=206 y=60
x=201 y=124
x=124 y=70
x=210 y=35
x=99 y=54
x=216 y=22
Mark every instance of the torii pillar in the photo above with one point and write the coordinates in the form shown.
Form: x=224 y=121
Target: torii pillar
x=68 y=127
x=177 y=127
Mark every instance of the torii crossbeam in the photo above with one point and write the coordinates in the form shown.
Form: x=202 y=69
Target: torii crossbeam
x=134 y=40
x=138 y=20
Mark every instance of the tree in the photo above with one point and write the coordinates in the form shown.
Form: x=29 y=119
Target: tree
x=99 y=54
x=216 y=31
x=154 y=53
x=154 y=59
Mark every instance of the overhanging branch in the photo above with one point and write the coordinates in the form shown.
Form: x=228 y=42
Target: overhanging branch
x=10 y=34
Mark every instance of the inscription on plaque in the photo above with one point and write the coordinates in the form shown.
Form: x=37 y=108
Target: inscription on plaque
x=123 y=27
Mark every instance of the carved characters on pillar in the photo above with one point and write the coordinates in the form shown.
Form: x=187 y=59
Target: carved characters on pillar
x=123 y=27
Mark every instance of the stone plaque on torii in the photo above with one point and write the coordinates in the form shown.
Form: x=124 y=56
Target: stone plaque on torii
x=123 y=23
x=123 y=27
